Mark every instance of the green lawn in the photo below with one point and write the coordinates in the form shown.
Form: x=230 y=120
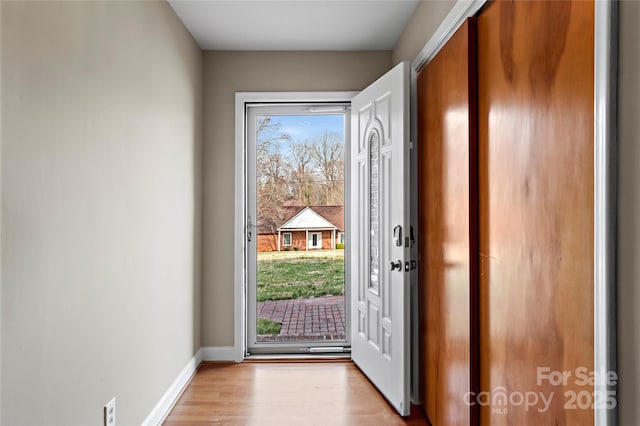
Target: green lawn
x=295 y=274
x=266 y=326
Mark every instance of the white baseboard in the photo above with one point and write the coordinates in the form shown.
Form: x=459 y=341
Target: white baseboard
x=219 y=353
x=211 y=353
x=165 y=404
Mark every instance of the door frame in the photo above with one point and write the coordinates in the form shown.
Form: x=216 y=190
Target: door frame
x=242 y=100
x=318 y=239
x=605 y=184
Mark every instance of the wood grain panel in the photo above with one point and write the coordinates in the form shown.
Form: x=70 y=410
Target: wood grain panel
x=535 y=67
x=446 y=129
x=284 y=393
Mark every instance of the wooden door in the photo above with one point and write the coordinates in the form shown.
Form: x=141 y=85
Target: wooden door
x=447 y=228
x=535 y=101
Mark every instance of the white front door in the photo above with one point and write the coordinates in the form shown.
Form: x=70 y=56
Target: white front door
x=379 y=248
x=315 y=240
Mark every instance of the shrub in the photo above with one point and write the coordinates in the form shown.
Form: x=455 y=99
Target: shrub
x=340 y=246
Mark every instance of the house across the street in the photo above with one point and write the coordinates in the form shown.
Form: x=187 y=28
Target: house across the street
x=304 y=228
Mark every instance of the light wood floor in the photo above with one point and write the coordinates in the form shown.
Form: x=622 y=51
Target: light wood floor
x=284 y=393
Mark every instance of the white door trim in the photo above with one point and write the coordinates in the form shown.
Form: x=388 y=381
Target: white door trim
x=462 y=10
x=605 y=202
x=605 y=181
x=240 y=186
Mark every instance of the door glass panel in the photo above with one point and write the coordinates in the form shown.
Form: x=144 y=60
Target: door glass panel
x=374 y=262
x=300 y=282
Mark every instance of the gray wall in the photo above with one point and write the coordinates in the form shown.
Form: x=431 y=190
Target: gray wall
x=226 y=73
x=629 y=214
x=101 y=140
x=423 y=23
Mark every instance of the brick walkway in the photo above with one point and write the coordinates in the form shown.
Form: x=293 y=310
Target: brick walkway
x=320 y=318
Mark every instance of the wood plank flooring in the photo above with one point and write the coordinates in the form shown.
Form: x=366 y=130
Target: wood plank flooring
x=284 y=393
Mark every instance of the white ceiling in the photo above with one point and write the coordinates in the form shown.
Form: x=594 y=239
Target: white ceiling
x=295 y=24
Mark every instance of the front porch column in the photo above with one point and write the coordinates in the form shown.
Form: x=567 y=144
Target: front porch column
x=306 y=240
x=278 y=240
x=333 y=239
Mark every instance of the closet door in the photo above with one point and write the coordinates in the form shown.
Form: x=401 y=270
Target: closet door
x=535 y=80
x=447 y=191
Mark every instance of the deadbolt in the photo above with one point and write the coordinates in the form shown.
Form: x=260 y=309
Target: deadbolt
x=396 y=265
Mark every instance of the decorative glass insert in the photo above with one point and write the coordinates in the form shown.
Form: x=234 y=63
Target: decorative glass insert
x=374 y=224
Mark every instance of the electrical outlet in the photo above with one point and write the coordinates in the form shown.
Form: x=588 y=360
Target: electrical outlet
x=110 y=413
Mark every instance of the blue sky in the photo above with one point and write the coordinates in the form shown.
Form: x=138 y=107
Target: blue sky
x=307 y=127
x=303 y=127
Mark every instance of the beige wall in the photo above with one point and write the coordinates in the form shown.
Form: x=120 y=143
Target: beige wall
x=423 y=23
x=628 y=215
x=100 y=177
x=229 y=72
x=101 y=140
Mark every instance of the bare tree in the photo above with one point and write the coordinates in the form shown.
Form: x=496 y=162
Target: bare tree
x=328 y=155
x=268 y=133
x=310 y=173
x=272 y=173
x=301 y=173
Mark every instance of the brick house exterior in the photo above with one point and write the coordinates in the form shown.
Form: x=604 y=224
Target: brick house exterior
x=305 y=228
x=299 y=239
x=267 y=242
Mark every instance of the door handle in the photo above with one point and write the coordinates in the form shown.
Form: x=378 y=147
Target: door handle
x=397 y=235
x=396 y=265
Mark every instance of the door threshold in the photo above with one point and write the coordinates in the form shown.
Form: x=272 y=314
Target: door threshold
x=316 y=357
